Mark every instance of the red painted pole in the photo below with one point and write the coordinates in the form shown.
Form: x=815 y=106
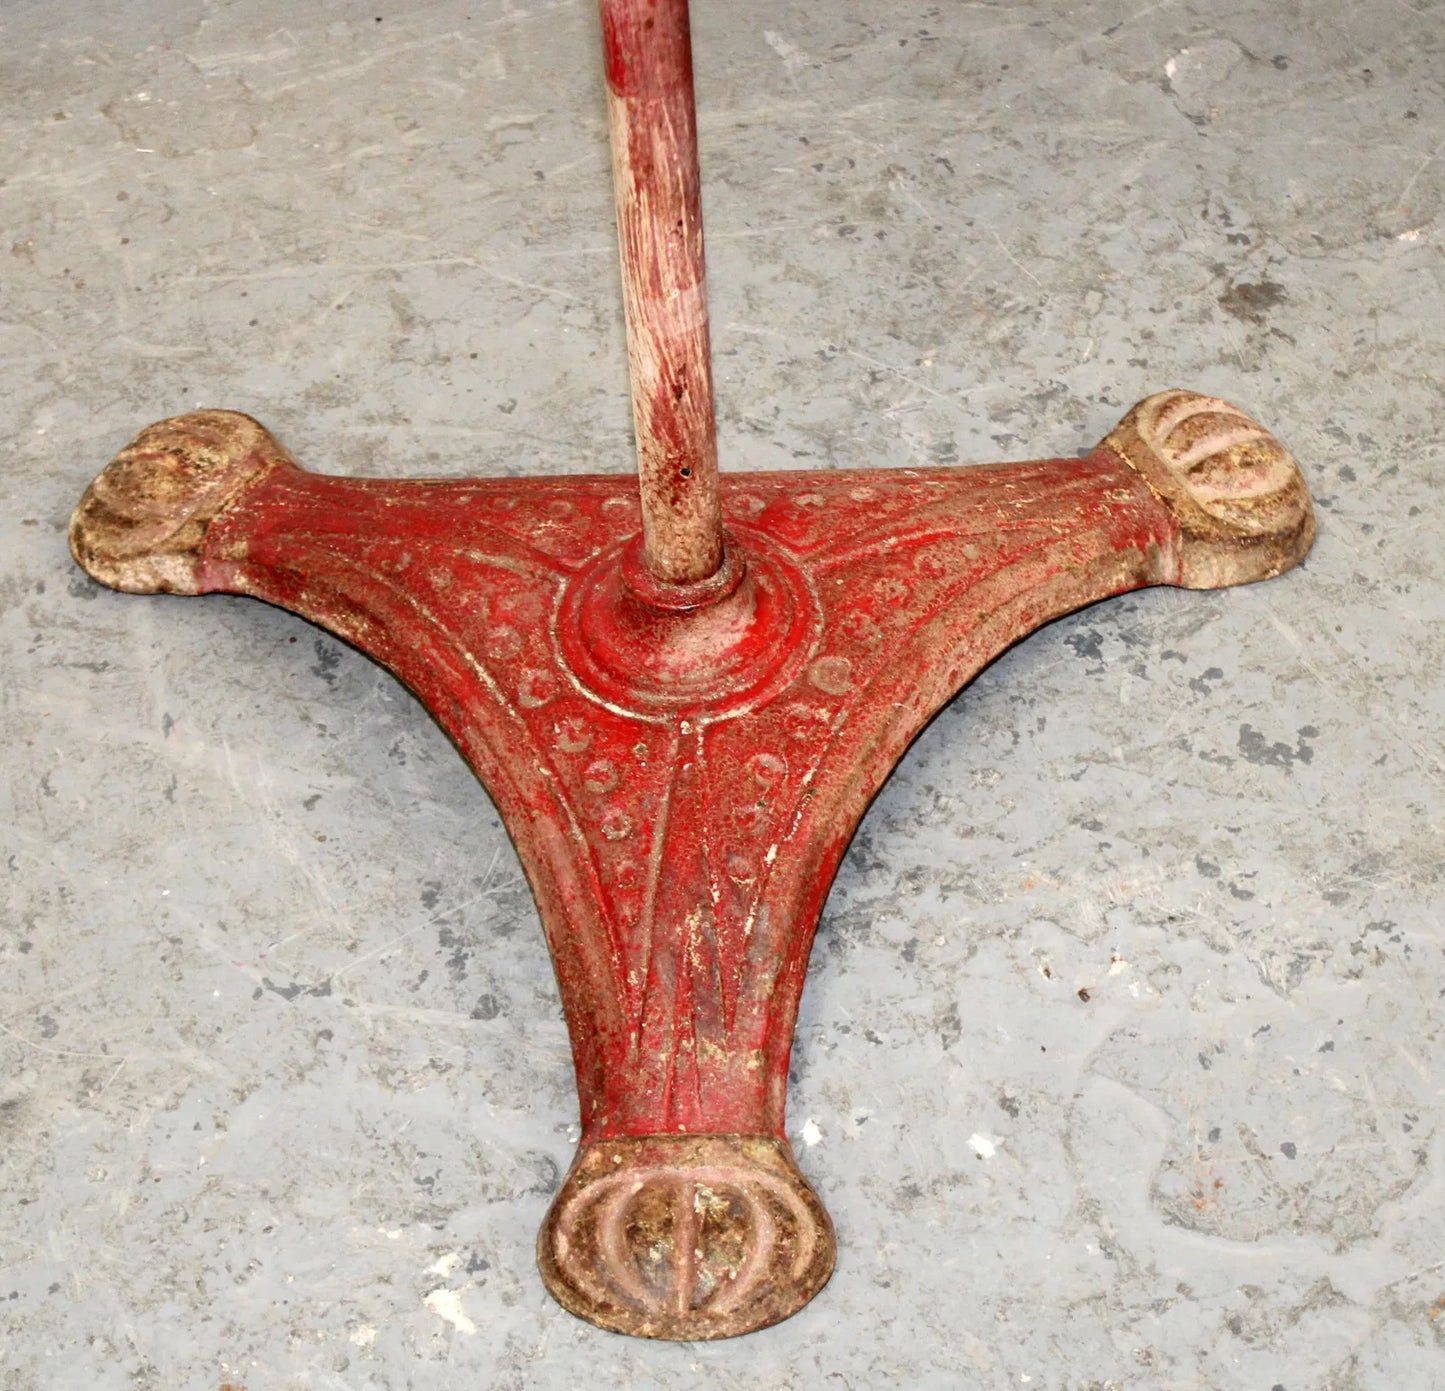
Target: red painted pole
x=653 y=127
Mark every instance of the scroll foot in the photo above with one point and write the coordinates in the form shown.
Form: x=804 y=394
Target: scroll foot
x=686 y=1237
x=141 y=526
x=1236 y=492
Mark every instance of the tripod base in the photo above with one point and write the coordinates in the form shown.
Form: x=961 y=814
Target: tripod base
x=681 y=767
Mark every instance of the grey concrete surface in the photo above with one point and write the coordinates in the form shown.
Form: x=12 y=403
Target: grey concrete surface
x=284 y=1087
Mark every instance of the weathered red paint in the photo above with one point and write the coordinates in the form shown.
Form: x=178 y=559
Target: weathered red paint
x=681 y=773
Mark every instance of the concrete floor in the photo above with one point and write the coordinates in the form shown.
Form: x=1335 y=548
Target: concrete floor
x=284 y=1087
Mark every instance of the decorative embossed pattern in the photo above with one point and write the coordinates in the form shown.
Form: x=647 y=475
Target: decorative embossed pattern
x=681 y=781
x=681 y=853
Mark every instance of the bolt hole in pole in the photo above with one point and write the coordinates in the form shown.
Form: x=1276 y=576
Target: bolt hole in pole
x=653 y=126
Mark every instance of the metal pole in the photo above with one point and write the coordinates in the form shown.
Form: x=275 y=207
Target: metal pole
x=653 y=127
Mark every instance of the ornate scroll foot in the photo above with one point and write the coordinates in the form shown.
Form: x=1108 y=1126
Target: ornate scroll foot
x=1241 y=503
x=141 y=526
x=686 y=1236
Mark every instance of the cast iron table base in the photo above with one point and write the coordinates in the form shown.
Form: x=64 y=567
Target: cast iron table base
x=681 y=764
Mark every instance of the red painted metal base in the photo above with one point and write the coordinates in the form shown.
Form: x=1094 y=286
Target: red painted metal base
x=681 y=767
